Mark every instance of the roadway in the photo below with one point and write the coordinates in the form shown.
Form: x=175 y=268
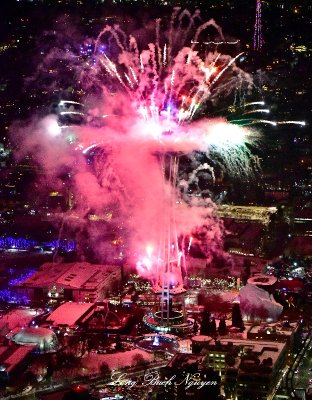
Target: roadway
x=299 y=373
x=95 y=382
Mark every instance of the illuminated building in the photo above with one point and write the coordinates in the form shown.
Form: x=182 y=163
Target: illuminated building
x=248 y=367
x=78 y=281
x=258 y=40
x=42 y=340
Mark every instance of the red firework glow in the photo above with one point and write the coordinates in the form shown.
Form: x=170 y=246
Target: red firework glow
x=149 y=116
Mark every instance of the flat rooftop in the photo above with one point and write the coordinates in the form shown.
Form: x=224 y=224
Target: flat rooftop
x=11 y=356
x=69 y=313
x=275 y=326
x=78 y=275
x=264 y=349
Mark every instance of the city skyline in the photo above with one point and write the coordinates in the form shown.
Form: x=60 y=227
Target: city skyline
x=155 y=217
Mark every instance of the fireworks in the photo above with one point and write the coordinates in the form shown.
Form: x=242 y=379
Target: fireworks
x=166 y=82
x=148 y=105
x=165 y=88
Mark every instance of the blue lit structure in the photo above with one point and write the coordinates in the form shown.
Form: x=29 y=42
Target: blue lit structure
x=21 y=278
x=8 y=242
x=16 y=243
x=9 y=295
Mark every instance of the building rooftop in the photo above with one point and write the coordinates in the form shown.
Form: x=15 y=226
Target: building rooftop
x=262 y=280
x=69 y=313
x=271 y=328
x=246 y=213
x=11 y=356
x=71 y=275
x=183 y=359
x=263 y=349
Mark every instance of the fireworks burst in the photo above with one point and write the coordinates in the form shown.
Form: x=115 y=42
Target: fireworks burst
x=152 y=108
x=168 y=82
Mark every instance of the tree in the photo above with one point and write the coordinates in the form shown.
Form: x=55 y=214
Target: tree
x=230 y=359
x=104 y=368
x=139 y=360
x=118 y=344
x=222 y=327
x=267 y=362
x=39 y=367
x=68 y=363
x=205 y=323
x=237 y=319
x=195 y=327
